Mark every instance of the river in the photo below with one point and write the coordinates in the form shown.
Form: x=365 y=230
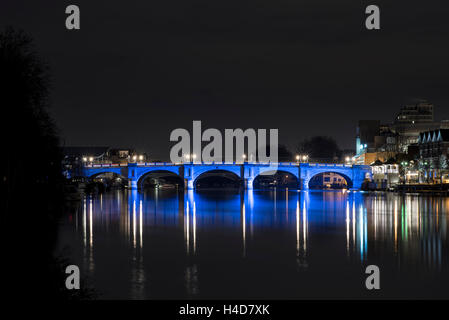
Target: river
x=168 y=244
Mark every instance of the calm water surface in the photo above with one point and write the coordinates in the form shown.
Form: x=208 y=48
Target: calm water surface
x=259 y=244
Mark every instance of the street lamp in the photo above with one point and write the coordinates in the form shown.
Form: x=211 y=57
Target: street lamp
x=297 y=157
x=141 y=157
x=134 y=158
x=243 y=157
x=84 y=159
x=304 y=158
x=91 y=159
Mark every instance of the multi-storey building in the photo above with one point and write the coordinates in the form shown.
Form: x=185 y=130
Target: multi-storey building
x=377 y=141
x=434 y=150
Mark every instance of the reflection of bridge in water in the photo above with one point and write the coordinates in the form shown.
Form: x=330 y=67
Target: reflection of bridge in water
x=411 y=229
x=136 y=173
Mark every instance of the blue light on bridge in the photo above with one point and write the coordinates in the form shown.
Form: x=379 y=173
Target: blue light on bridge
x=247 y=172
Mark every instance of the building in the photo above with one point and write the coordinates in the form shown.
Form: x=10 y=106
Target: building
x=74 y=157
x=433 y=151
x=376 y=141
x=411 y=121
x=123 y=155
x=367 y=130
x=417 y=113
x=368 y=158
x=385 y=175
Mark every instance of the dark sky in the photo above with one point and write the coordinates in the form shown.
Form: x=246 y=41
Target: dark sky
x=139 y=69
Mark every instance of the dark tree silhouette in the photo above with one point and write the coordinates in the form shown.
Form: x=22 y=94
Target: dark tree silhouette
x=284 y=154
x=31 y=172
x=319 y=148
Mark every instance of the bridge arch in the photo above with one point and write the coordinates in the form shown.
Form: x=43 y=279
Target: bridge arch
x=160 y=174
x=137 y=172
x=276 y=178
x=228 y=178
x=353 y=174
x=91 y=173
x=267 y=170
x=348 y=179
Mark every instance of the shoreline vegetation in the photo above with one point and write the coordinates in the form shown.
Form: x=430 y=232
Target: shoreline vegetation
x=34 y=202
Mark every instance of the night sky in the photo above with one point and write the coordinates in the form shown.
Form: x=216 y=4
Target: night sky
x=139 y=69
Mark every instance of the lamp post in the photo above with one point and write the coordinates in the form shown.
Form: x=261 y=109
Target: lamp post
x=348 y=160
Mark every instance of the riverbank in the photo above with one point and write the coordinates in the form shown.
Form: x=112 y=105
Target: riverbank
x=440 y=189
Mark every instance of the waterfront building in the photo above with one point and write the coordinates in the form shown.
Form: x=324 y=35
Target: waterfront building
x=433 y=151
x=122 y=155
x=385 y=175
x=74 y=157
x=376 y=141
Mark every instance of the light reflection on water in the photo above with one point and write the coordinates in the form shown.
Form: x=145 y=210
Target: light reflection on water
x=258 y=244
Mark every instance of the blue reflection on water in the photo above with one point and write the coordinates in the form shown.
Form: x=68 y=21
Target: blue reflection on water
x=160 y=230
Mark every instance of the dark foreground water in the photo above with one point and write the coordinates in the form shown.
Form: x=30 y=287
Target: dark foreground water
x=259 y=244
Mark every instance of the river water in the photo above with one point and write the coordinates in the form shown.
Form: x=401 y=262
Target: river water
x=167 y=244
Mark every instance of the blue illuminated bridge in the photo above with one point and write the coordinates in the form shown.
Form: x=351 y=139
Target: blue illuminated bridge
x=136 y=173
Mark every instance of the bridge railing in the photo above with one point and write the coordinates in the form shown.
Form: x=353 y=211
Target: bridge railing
x=108 y=165
x=331 y=165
